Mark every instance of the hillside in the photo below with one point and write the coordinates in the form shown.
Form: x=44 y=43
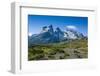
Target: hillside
x=71 y=49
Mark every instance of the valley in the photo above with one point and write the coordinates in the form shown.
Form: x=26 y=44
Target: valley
x=72 y=49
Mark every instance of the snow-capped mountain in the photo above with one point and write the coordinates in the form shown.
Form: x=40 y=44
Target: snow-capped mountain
x=49 y=35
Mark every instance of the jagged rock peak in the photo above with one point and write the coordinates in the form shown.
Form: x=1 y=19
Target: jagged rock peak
x=50 y=29
x=50 y=26
x=58 y=29
x=44 y=28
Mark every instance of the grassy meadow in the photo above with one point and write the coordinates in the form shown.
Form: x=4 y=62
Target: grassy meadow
x=72 y=49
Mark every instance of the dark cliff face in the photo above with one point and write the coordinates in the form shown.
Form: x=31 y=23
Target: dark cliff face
x=50 y=29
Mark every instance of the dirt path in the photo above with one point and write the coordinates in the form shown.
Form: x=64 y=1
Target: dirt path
x=75 y=53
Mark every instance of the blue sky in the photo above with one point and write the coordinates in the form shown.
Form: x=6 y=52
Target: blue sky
x=36 y=22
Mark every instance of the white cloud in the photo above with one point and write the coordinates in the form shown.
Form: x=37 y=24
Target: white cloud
x=30 y=34
x=71 y=27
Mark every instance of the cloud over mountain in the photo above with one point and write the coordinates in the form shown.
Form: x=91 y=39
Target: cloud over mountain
x=72 y=27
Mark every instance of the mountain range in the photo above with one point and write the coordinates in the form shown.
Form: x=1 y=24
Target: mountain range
x=50 y=35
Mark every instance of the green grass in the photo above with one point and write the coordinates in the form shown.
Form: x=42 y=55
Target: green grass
x=57 y=50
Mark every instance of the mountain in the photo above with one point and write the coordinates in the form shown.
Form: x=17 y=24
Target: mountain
x=73 y=34
x=49 y=35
